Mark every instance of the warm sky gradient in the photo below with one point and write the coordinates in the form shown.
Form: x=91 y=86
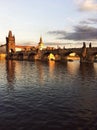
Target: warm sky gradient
x=58 y=21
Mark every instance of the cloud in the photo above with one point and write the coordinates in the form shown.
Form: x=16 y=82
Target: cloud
x=85 y=22
x=87 y=5
x=58 y=32
x=83 y=33
x=79 y=33
x=93 y=20
x=89 y=21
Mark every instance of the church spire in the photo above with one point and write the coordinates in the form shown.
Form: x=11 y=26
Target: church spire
x=10 y=34
x=40 y=44
x=40 y=39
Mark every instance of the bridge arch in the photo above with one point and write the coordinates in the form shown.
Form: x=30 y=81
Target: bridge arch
x=72 y=52
x=31 y=56
x=51 y=56
x=94 y=56
x=20 y=56
x=45 y=56
x=71 y=55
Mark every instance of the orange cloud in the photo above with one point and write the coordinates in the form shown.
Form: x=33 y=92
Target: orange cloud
x=87 y=5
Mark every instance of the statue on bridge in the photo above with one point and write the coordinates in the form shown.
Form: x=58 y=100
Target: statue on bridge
x=90 y=45
x=84 y=45
x=84 y=49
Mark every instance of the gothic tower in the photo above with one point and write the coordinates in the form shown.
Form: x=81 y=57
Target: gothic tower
x=40 y=44
x=10 y=43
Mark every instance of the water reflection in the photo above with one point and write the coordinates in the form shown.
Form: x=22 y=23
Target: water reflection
x=86 y=70
x=51 y=68
x=47 y=70
x=68 y=98
x=72 y=67
x=40 y=71
x=10 y=69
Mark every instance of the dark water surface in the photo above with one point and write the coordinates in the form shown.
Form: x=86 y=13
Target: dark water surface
x=48 y=96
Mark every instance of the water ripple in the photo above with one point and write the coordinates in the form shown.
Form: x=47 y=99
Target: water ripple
x=47 y=96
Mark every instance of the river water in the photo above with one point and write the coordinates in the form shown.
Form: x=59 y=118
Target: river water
x=48 y=95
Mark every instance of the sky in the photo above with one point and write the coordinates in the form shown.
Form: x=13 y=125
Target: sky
x=67 y=22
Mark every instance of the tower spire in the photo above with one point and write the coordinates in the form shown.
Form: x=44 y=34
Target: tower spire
x=10 y=34
x=40 y=44
x=41 y=39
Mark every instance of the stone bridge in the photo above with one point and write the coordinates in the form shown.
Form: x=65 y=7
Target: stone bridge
x=86 y=54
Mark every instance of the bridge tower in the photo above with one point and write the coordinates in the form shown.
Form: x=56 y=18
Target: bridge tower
x=86 y=54
x=10 y=43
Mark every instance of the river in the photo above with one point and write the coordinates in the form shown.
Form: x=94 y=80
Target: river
x=48 y=95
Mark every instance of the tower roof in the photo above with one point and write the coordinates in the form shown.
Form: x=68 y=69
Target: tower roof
x=10 y=34
x=40 y=39
x=40 y=44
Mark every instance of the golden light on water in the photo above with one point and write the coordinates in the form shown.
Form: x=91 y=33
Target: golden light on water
x=72 y=67
x=51 y=68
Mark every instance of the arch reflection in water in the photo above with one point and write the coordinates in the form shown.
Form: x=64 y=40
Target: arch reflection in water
x=72 y=67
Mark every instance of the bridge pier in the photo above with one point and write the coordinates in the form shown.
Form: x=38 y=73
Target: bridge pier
x=87 y=59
